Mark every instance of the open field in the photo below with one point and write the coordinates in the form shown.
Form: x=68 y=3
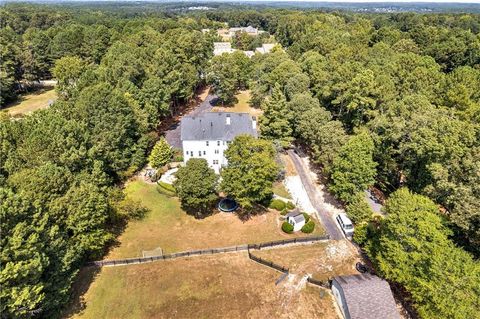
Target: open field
x=169 y=227
x=31 y=102
x=322 y=260
x=242 y=105
x=224 y=286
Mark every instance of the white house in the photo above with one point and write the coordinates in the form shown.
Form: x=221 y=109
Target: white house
x=296 y=219
x=364 y=296
x=220 y=48
x=208 y=135
x=265 y=48
x=250 y=30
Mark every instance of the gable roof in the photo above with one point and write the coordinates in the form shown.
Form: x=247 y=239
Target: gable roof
x=296 y=215
x=368 y=297
x=213 y=126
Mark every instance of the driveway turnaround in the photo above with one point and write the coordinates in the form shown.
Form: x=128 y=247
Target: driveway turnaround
x=326 y=218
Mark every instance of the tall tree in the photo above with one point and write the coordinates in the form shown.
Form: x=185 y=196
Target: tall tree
x=353 y=170
x=251 y=171
x=196 y=185
x=275 y=121
x=412 y=248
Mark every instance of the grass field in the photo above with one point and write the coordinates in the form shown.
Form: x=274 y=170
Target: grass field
x=28 y=103
x=169 y=227
x=242 y=105
x=280 y=190
x=224 y=286
x=322 y=260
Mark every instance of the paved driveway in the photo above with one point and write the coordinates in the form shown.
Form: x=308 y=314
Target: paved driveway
x=326 y=217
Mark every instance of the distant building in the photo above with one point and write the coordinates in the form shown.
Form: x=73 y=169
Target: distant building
x=296 y=219
x=208 y=135
x=265 y=48
x=364 y=296
x=249 y=54
x=249 y=30
x=220 y=48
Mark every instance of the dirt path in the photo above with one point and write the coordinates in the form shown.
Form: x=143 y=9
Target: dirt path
x=325 y=216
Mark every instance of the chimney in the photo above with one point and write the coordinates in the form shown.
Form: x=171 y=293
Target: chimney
x=254 y=122
x=228 y=119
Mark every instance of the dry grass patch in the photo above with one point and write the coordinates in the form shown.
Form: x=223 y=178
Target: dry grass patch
x=289 y=166
x=280 y=190
x=242 y=105
x=167 y=226
x=225 y=286
x=322 y=260
x=31 y=102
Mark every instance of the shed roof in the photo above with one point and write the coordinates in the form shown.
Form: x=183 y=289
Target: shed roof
x=213 y=126
x=368 y=297
x=296 y=215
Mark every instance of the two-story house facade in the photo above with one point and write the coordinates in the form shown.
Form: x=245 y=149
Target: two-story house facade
x=209 y=134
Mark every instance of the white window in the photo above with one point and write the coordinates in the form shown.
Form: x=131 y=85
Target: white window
x=217 y=151
x=199 y=153
x=218 y=143
x=204 y=153
x=215 y=162
x=207 y=143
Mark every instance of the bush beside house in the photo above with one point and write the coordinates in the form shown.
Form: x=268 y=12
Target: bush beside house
x=287 y=227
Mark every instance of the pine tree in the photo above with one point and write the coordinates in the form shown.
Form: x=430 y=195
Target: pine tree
x=275 y=122
x=161 y=154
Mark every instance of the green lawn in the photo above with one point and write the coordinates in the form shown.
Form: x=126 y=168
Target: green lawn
x=169 y=227
x=28 y=103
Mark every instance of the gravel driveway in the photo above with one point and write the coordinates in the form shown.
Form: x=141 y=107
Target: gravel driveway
x=326 y=217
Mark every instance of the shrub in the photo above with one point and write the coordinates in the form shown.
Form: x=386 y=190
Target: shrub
x=284 y=212
x=306 y=216
x=161 y=154
x=177 y=155
x=308 y=227
x=358 y=209
x=286 y=227
x=165 y=188
x=360 y=235
x=277 y=204
x=290 y=205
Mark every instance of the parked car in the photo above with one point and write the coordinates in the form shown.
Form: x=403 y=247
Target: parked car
x=345 y=224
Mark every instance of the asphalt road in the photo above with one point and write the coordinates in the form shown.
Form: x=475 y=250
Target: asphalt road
x=326 y=217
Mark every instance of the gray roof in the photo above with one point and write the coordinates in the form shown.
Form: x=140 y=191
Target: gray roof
x=296 y=215
x=368 y=297
x=213 y=126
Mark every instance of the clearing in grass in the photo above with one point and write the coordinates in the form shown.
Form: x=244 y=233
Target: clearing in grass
x=222 y=286
x=167 y=226
x=30 y=102
x=242 y=105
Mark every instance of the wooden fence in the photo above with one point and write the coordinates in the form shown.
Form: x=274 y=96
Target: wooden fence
x=212 y=251
x=285 y=242
x=141 y=260
x=267 y=263
x=324 y=284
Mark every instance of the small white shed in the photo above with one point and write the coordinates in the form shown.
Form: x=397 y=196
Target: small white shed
x=296 y=219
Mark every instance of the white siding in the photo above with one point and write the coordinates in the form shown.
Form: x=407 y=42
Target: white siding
x=213 y=152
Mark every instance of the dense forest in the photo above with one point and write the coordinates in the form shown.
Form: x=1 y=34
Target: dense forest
x=390 y=101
